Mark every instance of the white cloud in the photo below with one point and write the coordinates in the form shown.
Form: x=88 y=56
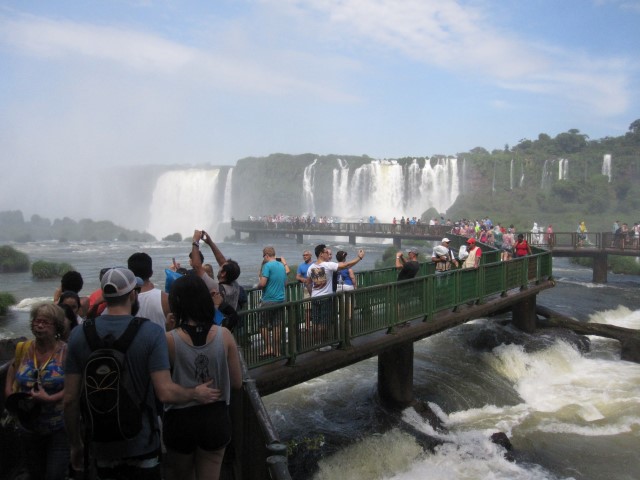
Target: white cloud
x=460 y=37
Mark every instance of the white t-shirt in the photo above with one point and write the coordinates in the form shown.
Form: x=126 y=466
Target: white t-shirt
x=151 y=307
x=321 y=275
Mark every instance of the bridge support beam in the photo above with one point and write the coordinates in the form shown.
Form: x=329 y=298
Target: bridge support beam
x=600 y=268
x=299 y=238
x=524 y=314
x=352 y=239
x=395 y=376
x=253 y=237
x=397 y=243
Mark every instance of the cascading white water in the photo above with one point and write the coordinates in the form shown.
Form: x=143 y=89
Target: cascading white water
x=606 y=166
x=341 y=180
x=547 y=174
x=184 y=200
x=521 y=183
x=308 y=181
x=511 y=175
x=563 y=169
x=386 y=189
x=226 y=208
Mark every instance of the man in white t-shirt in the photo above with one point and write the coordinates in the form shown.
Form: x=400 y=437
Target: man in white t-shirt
x=320 y=282
x=154 y=303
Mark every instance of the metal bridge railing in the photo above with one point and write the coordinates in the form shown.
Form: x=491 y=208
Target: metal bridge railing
x=286 y=330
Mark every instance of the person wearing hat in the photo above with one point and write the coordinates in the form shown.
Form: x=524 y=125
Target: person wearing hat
x=408 y=268
x=34 y=391
x=473 y=260
x=148 y=366
x=443 y=257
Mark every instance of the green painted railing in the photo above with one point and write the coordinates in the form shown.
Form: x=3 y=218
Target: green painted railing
x=299 y=325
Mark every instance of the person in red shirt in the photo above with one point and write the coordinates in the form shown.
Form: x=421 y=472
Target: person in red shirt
x=522 y=247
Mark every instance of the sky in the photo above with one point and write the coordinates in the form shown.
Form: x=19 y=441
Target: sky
x=92 y=84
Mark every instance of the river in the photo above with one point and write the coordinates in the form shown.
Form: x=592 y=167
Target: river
x=568 y=415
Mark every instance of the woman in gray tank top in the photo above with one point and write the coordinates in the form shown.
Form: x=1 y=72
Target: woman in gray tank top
x=196 y=435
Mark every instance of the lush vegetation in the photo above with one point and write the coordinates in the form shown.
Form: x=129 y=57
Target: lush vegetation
x=12 y=260
x=174 y=237
x=14 y=228
x=6 y=300
x=42 y=269
x=521 y=185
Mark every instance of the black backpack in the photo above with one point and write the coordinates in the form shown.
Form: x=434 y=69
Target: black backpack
x=112 y=409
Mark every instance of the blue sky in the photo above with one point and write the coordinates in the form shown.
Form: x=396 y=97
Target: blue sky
x=94 y=83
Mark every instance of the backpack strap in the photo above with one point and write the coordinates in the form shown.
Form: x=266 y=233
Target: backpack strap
x=90 y=332
x=124 y=340
x=21 y=350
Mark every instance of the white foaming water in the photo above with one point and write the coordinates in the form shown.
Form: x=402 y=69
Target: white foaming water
x=606 y=165
x=183 y=199
x=569 y=402
x=387 y=189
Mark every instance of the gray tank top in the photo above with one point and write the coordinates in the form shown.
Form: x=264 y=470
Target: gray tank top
x=195 y=365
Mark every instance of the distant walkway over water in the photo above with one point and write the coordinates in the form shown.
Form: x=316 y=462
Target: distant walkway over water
x=597 y=246
x=351 y=230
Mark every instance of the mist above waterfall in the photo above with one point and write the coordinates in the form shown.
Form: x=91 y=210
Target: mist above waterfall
x=184 y=200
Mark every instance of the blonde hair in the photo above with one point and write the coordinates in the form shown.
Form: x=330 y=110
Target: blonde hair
x=52 y=312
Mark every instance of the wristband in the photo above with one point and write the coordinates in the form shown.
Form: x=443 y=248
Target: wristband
x=196 y=244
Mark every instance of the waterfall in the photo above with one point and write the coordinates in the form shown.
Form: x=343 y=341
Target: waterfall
x=521 y=183
x=606 y=166
x=563 y=169
x=341 y=185
x=387 y=189
x=511 y=175
x=308 y=181
x=184 y=200
x=226 y=207
x=493 y=181
x=547 y=174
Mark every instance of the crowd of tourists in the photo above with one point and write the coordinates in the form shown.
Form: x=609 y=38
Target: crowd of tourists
x=106 y=377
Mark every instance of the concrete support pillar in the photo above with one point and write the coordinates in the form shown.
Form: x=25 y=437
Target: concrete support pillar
x=600 y=268
x=397 y=243
x=299 y=238
x=253 y=237
x=395 y=376
x=524 y=314
x=352 y=239
x=238 y=235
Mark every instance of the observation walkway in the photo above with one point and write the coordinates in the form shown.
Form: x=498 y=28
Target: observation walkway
x=286 y=344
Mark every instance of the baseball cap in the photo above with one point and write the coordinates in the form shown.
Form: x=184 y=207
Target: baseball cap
x=412 y=250
x=445 y=240
x=471 y=241
x=119 y=281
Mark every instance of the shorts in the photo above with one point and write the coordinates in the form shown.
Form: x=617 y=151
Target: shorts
x=321 y=311
x=202 y=426
x=272 y=316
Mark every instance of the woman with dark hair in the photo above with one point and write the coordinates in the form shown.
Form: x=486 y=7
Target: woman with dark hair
x=71 y=300
x=346 y=278
x=34 y=390
x=522 y=248
x=196 y=435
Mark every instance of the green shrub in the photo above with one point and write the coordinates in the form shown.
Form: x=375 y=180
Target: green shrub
x=11 y=260
x=6 y=300
x=42 y=269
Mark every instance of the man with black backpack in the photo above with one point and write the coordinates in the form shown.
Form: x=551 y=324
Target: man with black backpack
x=114 y=365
